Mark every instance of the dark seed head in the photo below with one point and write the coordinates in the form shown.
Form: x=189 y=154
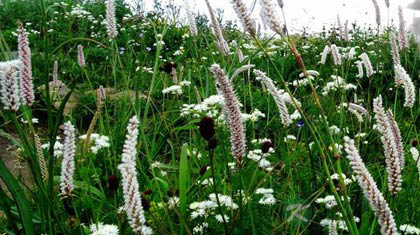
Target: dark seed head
x=168 y=67
x=171 y=192
x=113 y=182
x=206 y=126
x=203 y=170
x=147 y=192
x=211 y=144
x=414 y=143
x=145 y=203
x=266 y=145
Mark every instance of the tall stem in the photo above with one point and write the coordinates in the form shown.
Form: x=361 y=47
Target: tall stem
x=215 y=190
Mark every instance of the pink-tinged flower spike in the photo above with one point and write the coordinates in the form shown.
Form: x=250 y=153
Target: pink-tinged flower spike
x=238 y=51
x=346 y=31
x=80 y=56
x=67 y=165
x=111 y=24
x=271 y=16
x=25 y=74
x=377 y=12
x=233 y=113
x=402 y=32
x=395 y=130
x=340 y=27
x=10 y=95
x=395 y=50
x=245 y=16
x=370 y=189
x=387 y=3
x=368 y=65
x=220 y=40
x=390 y=144
x=358 y=110
x=278 y=98
x=335 y=55
x=130 y=184
x=359 y=65
x=191 y=18
x=324 y=54
x=402 y=77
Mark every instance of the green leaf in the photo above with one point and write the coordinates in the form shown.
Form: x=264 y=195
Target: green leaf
x=20 y=199
x=184 y=181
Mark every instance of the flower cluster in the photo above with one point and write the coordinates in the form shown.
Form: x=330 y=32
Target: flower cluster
x=268 y=197
x=99 y=142
x=337 y=83
x=206 y=208
x=370 y=189
x=409 y=229
x=9 y=81
x=132 y=200
x=392 y=143
x=278 y=98
x=26 y=85
x=233 y=113
x=220 y=40
x=245 y=16
x=103 y=229
x=67 y=165
x=260 y=155
x=402 y=77
x=111 y=23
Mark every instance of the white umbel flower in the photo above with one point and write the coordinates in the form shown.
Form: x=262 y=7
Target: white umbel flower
x=132 y=199
x=103 y=229
x=409 y=229
x=67 y=165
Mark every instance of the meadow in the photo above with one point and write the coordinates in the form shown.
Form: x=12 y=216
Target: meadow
x=118 y=121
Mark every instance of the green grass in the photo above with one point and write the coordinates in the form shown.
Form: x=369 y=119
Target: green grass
x=171 y=154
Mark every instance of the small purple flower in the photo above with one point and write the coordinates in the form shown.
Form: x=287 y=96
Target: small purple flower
x=122 y=50
x=141 y=35
x=300 y=123
x=148 y=49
